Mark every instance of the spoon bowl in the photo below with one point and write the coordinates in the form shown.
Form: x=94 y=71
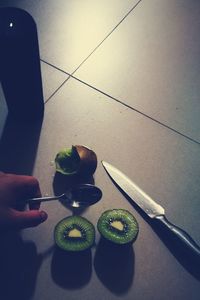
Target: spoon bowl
x=80 y=195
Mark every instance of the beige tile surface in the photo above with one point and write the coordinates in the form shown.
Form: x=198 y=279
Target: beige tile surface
x=70 y=30
x=52 y=79
x=163 y=164
x=151 y=63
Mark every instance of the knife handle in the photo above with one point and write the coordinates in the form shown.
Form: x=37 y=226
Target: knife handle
x=183 y=236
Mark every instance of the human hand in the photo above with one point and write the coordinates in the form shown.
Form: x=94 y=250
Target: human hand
x=13 y=190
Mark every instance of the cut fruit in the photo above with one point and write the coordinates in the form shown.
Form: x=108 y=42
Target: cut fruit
x=74 y=233
x=67 y=161
x=88 y=160
x=78 y=160
x=118 y=226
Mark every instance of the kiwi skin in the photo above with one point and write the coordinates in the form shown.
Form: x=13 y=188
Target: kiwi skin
x=77 y=245
x=114 y=237
x=88 y=160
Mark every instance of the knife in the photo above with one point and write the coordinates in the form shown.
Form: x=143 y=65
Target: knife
x=149 y=206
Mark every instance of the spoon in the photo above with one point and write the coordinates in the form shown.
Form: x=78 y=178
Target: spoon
x=79 y=195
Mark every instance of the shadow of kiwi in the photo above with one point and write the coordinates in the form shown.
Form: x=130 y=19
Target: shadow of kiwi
x=114 y=266
x=184 y=256
x=20 y=264
x=61 y=183
x=71 y=270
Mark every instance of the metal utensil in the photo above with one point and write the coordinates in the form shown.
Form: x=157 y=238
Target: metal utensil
x=79 y=195
x=149 y=206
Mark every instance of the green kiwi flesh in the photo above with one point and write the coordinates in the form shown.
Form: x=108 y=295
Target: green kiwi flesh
x=74 y=233
x=118 y=226
x=67 y=161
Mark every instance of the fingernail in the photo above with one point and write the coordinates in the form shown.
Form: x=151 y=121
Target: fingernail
x=43 y=215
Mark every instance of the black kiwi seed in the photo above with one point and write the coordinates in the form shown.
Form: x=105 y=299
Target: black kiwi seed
x=74 y=233
x=118 y=226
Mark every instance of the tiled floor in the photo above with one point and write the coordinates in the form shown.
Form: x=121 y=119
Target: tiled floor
x=151 y=63
x=123 y=78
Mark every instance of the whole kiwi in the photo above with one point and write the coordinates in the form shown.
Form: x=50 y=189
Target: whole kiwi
x=78 y=160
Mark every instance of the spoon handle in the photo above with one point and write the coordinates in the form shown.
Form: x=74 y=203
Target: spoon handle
x=43 y=199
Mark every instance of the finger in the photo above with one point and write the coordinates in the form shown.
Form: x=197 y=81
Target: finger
x=34 y=205
x=25 y=219
x=33 y=191
x=27 y=187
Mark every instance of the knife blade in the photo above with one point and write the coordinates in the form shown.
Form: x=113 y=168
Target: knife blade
x=149 y=206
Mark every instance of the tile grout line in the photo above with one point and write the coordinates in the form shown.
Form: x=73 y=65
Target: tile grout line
x=53 y=66
x=138 y=111
x=111 y=97
x=118 y=101
x=126 y=15
x=70 y=74
x=47 y=100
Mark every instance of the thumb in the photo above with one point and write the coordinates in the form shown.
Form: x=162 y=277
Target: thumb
x=29 y=218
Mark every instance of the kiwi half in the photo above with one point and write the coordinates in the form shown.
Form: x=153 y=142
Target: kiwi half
x=118 y=226
x=78 y=160
x=67 y=161
x=74 y=233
